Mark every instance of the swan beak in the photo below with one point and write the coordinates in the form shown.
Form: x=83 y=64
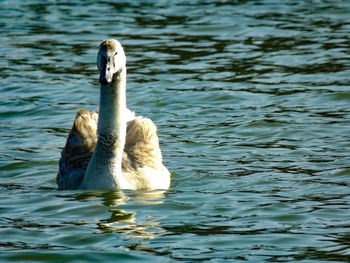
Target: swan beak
x=106 y=76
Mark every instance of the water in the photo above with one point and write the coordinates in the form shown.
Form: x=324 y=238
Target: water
x=252 y=104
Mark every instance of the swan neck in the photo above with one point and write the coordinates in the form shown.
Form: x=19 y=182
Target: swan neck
x=105 y=167
x=112 y=106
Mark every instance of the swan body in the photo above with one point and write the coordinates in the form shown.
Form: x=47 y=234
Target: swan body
x=111 y=148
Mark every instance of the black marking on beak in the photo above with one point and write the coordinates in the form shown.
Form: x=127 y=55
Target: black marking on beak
x=105 y=76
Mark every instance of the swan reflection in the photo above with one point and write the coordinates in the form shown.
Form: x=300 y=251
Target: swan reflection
x=124 y=221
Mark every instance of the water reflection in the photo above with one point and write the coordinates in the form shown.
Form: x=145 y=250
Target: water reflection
x=122 y=220
x=108 y=198
x=125 y=222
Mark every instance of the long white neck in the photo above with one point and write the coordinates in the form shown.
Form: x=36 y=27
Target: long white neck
x=105 y=167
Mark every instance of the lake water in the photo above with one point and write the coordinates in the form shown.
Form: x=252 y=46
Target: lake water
x=252 y=104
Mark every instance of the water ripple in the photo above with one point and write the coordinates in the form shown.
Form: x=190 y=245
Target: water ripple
x=252 y=106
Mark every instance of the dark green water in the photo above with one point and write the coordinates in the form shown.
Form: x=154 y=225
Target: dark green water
x=252 y=104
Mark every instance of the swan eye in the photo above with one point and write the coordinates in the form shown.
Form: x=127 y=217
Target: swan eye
x=116 y=53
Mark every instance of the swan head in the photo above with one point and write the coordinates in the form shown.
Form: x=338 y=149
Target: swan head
x=110 y=60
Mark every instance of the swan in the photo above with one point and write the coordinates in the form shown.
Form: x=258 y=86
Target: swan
x=110 y=148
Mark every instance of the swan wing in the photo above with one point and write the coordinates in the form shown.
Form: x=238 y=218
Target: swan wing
x=78 y=150
x=142 y=160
